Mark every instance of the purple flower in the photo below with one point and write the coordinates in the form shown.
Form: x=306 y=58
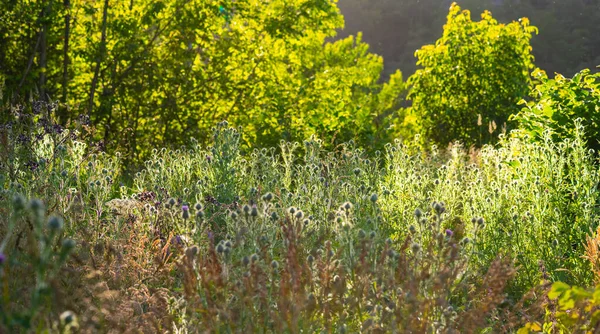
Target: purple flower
x=185 y=208
x=2 y=258
x=449 y=233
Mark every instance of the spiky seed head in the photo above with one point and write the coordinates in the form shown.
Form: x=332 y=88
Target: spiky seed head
x=412 y=229
x=347 y=206
x=198 y=207
x=254 y=211
x=267 y=197
x=274 y=264
x=55 y=223
x=19 y=202
x=246 y=208
x=234 y=215
x=372 y=235
x=254 y=257
x=310 y=259
x=299 y=214
x=356 y=171
x=374 y=198
x=274 y=216
x=418 y=213
x=228 y=244
x=480 y=221
x=361 y=234
x=415 y=247
x=67 y=318
x=172 y=201
x=68 y=244
x=246 y=260
x=220 y=248
x=200 y=214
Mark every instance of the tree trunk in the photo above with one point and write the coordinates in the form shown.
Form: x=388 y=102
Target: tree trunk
x=44 y=50
x=99 y=57
x=65 y=76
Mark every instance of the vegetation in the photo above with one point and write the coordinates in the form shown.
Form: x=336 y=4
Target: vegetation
x=322 y=203
x=476 y=68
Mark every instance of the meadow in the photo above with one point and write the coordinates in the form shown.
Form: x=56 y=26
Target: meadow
x=298 y=238
x=224 y=167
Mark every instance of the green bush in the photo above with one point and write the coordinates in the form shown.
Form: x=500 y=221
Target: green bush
x=471 y=79
x=557 y=103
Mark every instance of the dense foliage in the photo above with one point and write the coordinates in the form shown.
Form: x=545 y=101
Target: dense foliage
x=556 y=104
x=184 y=165
x=158 y=73
x=305 y=239
x=474 y=75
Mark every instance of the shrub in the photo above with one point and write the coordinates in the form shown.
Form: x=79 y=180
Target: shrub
x=472 y=78
x=557 y=103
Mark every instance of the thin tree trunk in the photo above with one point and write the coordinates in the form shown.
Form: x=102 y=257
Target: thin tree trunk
x=65 y=76
x=98 y=58
x=44 y=50
x=63 y=111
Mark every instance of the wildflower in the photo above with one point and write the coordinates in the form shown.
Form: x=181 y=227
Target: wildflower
x=246 y=260
x=267 y=197
x=254 y=211
x=274 y=264
x=68 y=317
x=361 y=234
x=220 y=248
x=291 y=210
x=310 y=259
x=2 y=258
x=374 y=198
x=439 y=208
x=465 y=241
x=228 y=244
x=254 y=257
x=372 y=235
x=246 y=209
x=19 y=202
x=449 y=233
x=412 y=229
x=481 y=221
x=68 y=244
x=356 y=171
x=198 y=207
x=185 y=214
x=418 y=213
x=274 y=216
x=171 y=201
x=36 y=205
x=55 y=223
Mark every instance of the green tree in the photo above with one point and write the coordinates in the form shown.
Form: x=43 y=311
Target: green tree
x=472 y=78
x=154 y=73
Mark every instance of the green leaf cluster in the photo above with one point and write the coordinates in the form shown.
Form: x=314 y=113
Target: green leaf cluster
x=556 y=103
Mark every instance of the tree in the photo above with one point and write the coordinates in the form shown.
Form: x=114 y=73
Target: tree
x=474 y=75
x=154 y=73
